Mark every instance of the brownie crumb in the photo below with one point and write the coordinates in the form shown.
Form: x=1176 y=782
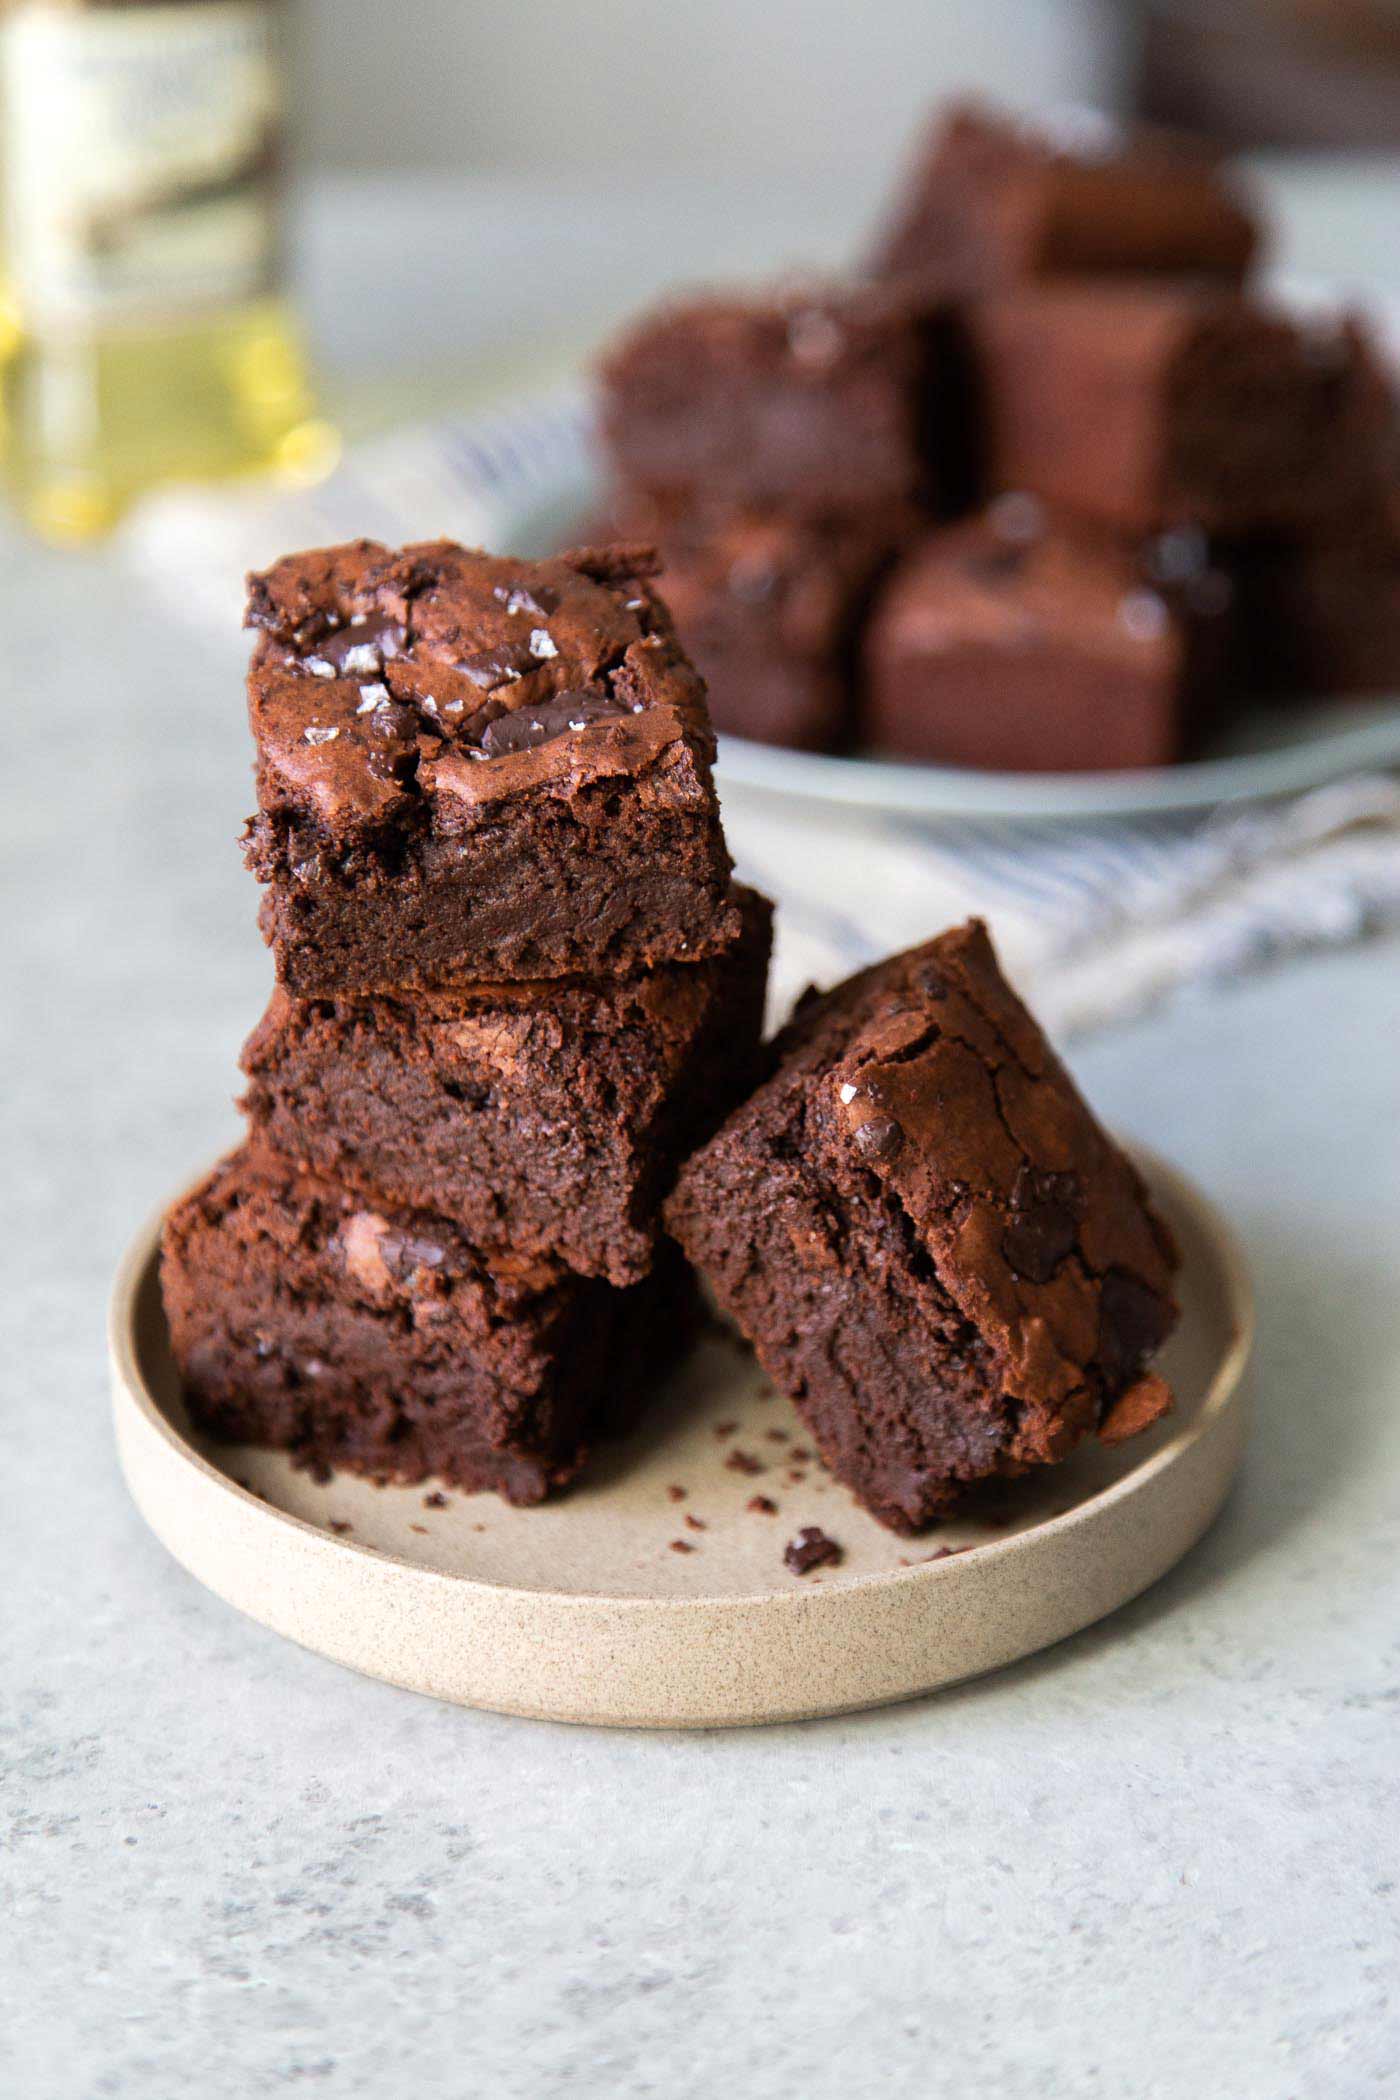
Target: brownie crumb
x=777 y=1436
x=762 y=1505
x=421 y=1529
x=811 y=1549
x=725 y=1428
x=437 y=1500
x=695 y=1523
x=744 y=1462
x=320 y=1472
x=676 y=1494
x=681 y=1546
x=801 y=1455
x=340 y=1525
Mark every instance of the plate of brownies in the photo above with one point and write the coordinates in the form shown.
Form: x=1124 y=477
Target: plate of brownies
x=552 y=1342
x=1050 y=510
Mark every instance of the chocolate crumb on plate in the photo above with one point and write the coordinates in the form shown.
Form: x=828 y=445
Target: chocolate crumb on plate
x=695 y=1523
x=744 y=1462
x=676 y=1494
x=340 y=1525
x=811 y=1548
x=437 y=1500
x=762 y=1505
x=681 y=1546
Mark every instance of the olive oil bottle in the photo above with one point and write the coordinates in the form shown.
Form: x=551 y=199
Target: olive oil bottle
x=145 y=336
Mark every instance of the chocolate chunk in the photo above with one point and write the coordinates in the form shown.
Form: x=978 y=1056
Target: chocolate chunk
x=1046 y=1225
x=531 y=726
x=404 y=1253
x=1133 y=1322
x=489 y=668
x=811 y=1549
x=361 y=647
x=535 y=598
x=879 y=1137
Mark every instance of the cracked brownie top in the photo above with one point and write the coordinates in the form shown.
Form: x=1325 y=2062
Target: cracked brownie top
x=383 y=679
x=927 y=1074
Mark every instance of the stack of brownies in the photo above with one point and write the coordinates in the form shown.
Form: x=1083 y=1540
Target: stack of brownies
x=1042 y=490
x=516 y=986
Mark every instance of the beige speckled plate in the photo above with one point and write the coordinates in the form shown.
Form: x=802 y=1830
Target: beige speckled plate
x=585 y=1610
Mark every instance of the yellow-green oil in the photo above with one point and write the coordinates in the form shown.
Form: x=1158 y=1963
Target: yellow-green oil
x=92 y=417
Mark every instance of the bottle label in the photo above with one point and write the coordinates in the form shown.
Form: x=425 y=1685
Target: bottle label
x=140 y=155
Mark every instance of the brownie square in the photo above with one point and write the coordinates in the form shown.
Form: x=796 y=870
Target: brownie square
x=843 y=398
x=476 y=767
x=1322 y=619
x=1147 y=405
x=768 y=606
x=1016 y=643
x=359 y=1335
x=990 y=200
x=545 y=1118
x=933 y=1246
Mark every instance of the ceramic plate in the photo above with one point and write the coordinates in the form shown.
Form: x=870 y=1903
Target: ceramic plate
x=655 y=1593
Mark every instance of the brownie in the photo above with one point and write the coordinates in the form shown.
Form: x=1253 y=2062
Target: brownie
x=378 y=1339
x=547 y=1118
x=1026 y=646
x=1322 y=620
x=476 y=767
x=847 y=398
x=768 y=605
x=931 y=1243
x=990 y=200
x=1146 y=405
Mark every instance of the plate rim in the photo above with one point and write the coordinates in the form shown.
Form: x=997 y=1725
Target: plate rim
x=833 y=780
x=132 y=1392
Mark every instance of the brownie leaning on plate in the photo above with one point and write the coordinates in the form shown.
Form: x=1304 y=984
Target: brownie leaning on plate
x=933 y=1246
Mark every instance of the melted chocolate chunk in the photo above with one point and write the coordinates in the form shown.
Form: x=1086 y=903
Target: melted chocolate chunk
x=811 y=1549
x=1133 y=1322
x=532 y=726
x=1045 y=1227
x=402 y=1253
x=360 y=648
x=536 y=598
x=489 y=668
x=880 y=1137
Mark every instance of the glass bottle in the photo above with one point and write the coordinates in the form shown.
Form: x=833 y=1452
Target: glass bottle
x=148 y=341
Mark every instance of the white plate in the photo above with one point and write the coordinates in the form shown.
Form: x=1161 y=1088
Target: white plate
x=584 y=1611
x=546 y=483
x=1274 y=751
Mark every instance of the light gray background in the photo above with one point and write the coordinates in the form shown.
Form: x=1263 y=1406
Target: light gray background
x=719 y=84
